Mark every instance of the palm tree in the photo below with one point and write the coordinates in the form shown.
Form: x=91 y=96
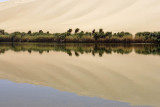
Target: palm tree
x=29 y=32
x=81 y=34
x=40 y=31
x=47 y=32
x=96 y=36
x=77 y=30
x=69 y=31
x=101 y=33
x=2 y=32
x=100 y=30
x=93 y=31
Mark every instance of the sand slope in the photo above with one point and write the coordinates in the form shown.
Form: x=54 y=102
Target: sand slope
x=59 y=15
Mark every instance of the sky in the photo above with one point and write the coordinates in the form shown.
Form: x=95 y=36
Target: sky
x=3 y=0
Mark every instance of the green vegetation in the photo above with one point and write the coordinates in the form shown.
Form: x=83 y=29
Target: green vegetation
x=78 y=36
x=147 y=37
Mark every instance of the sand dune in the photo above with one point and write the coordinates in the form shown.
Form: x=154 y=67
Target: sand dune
x=88 y=75
x=59 y=15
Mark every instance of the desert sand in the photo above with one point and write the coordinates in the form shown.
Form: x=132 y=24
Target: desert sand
x=59 y=15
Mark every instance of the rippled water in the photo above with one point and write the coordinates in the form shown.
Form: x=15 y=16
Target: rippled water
x=79 y=75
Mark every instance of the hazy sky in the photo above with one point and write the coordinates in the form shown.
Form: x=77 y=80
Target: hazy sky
x=2 y=0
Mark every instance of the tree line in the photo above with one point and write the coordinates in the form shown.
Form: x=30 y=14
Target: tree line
x=78 y=35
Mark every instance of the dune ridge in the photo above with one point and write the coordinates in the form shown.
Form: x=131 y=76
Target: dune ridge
x=59 y=15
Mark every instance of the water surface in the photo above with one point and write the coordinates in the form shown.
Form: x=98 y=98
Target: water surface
x=79 y=75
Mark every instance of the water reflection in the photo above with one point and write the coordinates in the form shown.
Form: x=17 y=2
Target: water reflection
x=27 y=95
x=124 y=76
x=79 y=49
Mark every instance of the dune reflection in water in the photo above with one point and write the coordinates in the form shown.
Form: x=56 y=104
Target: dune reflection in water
x=131 y=76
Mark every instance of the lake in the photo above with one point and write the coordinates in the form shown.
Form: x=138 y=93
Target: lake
x=79 y=75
